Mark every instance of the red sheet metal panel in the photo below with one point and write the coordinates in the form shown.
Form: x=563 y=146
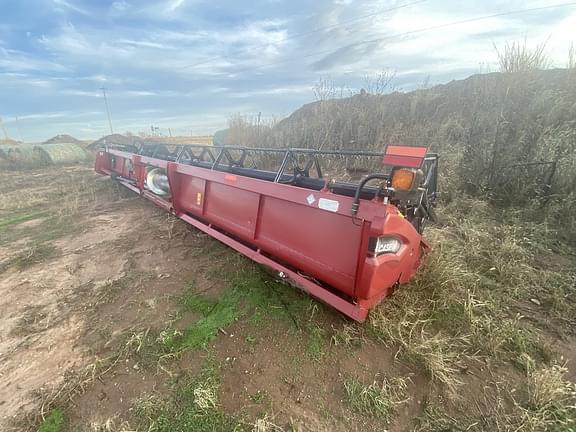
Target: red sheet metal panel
x=192 y=193
x=404 y=156
x=232 y=209
x=417 y=152
x=320 y=242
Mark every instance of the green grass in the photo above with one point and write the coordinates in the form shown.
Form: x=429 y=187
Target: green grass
x=259 y=397
x=15 y=220
x=250 y=295
x=214 y=315
x=55 y=422
x=316 y=341
x=193 y=406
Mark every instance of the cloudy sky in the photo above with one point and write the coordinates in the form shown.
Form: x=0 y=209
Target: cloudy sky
x=189 y=65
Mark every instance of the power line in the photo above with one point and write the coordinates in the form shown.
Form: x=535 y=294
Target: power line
x=299 y=35
x=421 y=30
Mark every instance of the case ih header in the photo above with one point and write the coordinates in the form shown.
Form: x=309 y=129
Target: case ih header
x=347 y=244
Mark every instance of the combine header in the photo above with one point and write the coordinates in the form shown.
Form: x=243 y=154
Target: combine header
x=348 y=244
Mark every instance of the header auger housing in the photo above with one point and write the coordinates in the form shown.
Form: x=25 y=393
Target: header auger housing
x=347 y=244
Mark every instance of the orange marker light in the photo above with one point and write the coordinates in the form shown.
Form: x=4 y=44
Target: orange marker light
x=403 y=179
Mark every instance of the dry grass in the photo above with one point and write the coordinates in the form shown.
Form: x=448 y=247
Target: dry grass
x=519 y=57
x=551 y=401
x=545 y=402
x=265 y=424
x=348 y=335
x=205 y=396
x=458 y=311
x=379 y=399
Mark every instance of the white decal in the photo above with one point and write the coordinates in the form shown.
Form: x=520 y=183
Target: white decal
x=328 y=204
x=311 y=199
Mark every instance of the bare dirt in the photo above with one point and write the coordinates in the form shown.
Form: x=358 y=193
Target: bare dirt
x=58 y=316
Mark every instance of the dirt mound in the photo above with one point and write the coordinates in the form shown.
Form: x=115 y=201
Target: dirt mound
x=117 y=139
x=63 y=138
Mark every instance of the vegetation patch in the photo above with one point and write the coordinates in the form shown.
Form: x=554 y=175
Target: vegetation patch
x=545 y=402
x=34 y=254
x=15 y=220
x=377 y=399
x=193 y=406
x=250 y=295
x=55 y=422
x=460 y=305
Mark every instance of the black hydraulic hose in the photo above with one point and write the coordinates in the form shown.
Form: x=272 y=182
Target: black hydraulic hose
x=356 y=202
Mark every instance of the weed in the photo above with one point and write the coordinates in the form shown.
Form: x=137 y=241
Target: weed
x=377 y=400
x=258 y=397
x=54 y=422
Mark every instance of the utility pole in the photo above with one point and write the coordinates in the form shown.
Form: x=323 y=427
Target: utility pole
x=107 y=109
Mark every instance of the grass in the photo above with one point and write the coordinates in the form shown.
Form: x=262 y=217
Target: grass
x=15 y=220
x=377 y=399
x=551 y=401
x=348 y=335
x=249 y=295
x=193 y=406
x=214 y=316
x=259 y=397
x=316 y=341
x=35 y=253
x=545 y=402
x=54 y=422
x=461 y=312
x=459 y=307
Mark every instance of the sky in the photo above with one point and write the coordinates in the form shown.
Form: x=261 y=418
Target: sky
x=188 y=66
